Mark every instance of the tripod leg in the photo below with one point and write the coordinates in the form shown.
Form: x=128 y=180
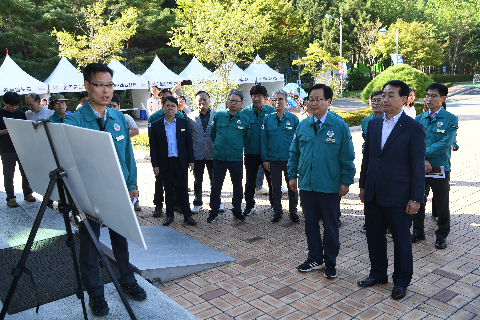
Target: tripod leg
x=64 y=210
x=18 y=271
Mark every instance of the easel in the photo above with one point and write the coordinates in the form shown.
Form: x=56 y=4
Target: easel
x=59 y=177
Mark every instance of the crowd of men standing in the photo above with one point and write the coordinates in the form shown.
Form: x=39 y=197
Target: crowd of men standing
x=315 y=157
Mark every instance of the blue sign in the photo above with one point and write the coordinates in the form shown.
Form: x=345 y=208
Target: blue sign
x=399 y=59
x=444 y=69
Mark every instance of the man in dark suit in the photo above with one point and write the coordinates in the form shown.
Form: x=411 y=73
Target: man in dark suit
x=171 y=151
x=392 y=186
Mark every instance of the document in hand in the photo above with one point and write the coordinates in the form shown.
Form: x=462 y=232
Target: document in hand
x=438 y=172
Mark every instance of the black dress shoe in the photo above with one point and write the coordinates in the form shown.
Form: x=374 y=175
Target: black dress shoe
x=294 y=217
x=276 y=217
x=167 y=221
x=369 y=282
x=190 y=221
x=440 y=243
x=417 y=237
x=399 y=293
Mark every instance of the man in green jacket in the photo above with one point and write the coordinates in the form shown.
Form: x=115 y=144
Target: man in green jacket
x=321 y=155
x=229 y=132
x=441 y=130
x=253 y=160
x=96 y=116
x=276 y=137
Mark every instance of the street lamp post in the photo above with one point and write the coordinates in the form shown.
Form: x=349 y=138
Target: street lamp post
x=384 y=32
x=340 y=23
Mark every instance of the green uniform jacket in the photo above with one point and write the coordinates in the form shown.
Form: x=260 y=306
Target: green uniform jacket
x=277 y=136
x=253 y=145
x=364 y=128
x=159 y=114
x=56 y=118
x=229 y=136
x=441 y=134
x=324 y=160
x=85 y=118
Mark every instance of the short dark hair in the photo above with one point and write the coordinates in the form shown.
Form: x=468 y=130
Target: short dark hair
x=11 y=98
x=83 y=94
x=34 y=96
x=327 y=91
x=116 y=98
x=92 y=68
x=441 y=88
x=404 y=89
x=165 y=90
x=171 y=99
x=258 y=89
x=44 y=100
x=201 y=91
x=376 y=93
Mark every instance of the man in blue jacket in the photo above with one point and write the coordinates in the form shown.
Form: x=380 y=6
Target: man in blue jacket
x=441 y=130
x=96 y=116
x=321 y=155
x=392 y=187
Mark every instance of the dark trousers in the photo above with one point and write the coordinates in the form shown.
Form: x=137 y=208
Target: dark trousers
x=9 y=161
x=158 y=198
x=176 y=175
x=316 y=206
x=198 y=171
x=252 y=163
x=377 y=220
x=276 y=169
x=235 y=168
x=441 y=190
x=89 y=260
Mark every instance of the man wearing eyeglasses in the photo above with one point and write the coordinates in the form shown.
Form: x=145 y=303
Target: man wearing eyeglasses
x=228 y=132
x=94 y=115
x=253 y=159
x=321 y=156
x=277 y=134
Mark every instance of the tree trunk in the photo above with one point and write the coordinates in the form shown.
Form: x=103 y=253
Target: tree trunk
x=290 y=66
x=25 y=51
x=129 y=50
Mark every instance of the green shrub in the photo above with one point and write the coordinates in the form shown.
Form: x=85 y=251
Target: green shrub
x=352 y=94
x=356 y=80
x=442 y=78
x=419 y=108
x=354 y=118
x=141 y=142
x=448 y=84
x=411 y=76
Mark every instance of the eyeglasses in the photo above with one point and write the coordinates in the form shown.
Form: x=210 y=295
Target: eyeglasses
x=278 y=100
x=234 y=101
x=310 y=100
x=102 y=85
x=376 y=100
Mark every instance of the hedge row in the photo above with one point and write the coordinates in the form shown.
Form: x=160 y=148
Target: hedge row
x=442 y=78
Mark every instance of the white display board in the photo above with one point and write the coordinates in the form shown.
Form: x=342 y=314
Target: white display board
x=91 y=163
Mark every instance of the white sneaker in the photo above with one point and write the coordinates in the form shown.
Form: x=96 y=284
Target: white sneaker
x=284 y=190
x=261 y=191
x=221 y=209
x=196 y=209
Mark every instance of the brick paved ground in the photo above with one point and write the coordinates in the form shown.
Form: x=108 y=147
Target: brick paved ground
x=264 y=284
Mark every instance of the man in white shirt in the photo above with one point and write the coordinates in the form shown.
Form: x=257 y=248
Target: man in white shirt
x=154 y=103
x=37 y=110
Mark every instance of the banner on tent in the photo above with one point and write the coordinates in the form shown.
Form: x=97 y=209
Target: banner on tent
x=67 y=87
x=25 y=90
x=164 y=84
x=270 y=78
x=130 y=85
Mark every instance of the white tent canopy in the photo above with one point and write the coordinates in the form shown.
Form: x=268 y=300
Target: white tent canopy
x=13 y=78
x=244 y=81
x=65 y=78
x=124 y=79
x=195 y=71
x=270 y=79
x=159 y=75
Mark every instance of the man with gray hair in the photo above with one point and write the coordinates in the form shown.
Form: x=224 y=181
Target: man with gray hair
x=277 y=134
x=229 y=131
x=37 y=110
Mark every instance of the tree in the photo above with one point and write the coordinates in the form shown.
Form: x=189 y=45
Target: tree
x=415 y=79
x=318 y=62
x=227 y=32
x=103 y=37
x=416 y=43
x=367 y=37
